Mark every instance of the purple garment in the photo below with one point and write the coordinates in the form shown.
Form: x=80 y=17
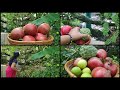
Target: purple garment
x=11 y=61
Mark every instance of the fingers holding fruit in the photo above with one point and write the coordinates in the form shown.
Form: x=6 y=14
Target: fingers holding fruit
x=85 y=39
x=79 y=35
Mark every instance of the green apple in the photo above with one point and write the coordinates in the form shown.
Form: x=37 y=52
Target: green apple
x=86 y=70
x=86 y=75
x=82 y=64
x=76 y=70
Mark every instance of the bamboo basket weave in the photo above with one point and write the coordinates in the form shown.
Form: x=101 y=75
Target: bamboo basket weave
x=45 y=42
x=69 y=64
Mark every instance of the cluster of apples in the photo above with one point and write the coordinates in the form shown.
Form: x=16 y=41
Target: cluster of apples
x=30 y=32
x=100 y=66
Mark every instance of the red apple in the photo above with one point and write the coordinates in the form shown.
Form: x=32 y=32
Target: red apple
x=65 y=29
x=101 y=53
x=100 y=72
x=44 y=28
x=94 y=62
x=80 y=42
x=28 y=38
x=40 y=37
x=112 y=67
x=30 y=29
x=17 y=33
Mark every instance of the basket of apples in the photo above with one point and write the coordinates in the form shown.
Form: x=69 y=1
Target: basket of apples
x=65 y=29
x=97 y=66
x=30 y=34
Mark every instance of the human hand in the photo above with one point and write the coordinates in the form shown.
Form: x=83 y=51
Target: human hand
x=76 y=35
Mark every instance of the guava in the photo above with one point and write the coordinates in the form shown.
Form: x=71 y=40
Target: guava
x=76 y=71
x=86 y=75
x=86 y=70
x=82 y=64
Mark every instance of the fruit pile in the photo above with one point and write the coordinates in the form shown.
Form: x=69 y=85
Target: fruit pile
x=85 y=40
x=99 y=66
x=31 y=32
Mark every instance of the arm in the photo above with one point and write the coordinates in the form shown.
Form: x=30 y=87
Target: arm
x=13 y=66
x=65 y=39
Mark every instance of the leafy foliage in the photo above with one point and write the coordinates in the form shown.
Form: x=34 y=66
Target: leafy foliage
x=49 y=18
x=115 y=35
x=105 y=29
x=107 y=15
x=48 y=51
x=113 y=38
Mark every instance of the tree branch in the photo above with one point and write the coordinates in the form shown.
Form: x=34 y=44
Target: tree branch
x=89 y=21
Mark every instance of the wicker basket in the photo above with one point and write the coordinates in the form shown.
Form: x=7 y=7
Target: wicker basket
x=69 y=65
x=45 y=42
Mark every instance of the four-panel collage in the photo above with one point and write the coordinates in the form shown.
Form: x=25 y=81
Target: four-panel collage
x=60 y=45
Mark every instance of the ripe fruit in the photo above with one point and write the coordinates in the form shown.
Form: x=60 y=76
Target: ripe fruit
x=100 y=72
x=82 y=63
x=76 y=71
x=94 y=62
x=40 y=37
x=86 y=75
x=76 y=61
x=80 y=42
x=101 y=53
x=44 y=28
x=17 y=33
x=28 y=38
x=30 y=29
x=112 y=67
x=86 y=70
x=65 y=29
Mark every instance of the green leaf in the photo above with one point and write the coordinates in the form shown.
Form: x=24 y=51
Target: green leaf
x=75 y=22
x=112 y=39
x=115 y=18
x=107 y=15
x=105 y=29
x=48 y=51
x=51 y=17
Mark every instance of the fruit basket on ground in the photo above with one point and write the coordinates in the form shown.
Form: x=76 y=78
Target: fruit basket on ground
x=30 y=34
x=69 y=65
